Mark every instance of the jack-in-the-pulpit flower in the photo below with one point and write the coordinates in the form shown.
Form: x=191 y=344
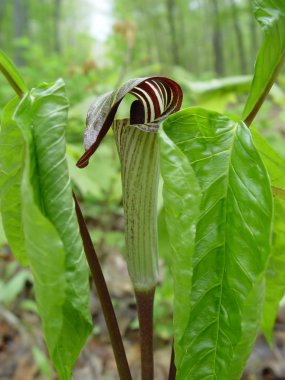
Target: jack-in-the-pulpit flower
x=136 y=137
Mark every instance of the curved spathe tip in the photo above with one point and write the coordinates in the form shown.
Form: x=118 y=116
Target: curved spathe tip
x=157 y=98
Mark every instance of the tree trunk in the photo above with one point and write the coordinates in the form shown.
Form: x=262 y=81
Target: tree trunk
x=239 y=37
x=2 y=12
x=217 y=40
x=57 y=16
x=20 y=26
x=2 y=8
x=253 y=33
x=170 y=5
x=182 y=35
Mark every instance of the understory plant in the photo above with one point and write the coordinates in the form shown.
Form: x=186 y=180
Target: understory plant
x=224 y=205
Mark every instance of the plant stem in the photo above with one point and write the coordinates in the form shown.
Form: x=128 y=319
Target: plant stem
x=172 y=368
x=249 y=119
x=145 y=314
x=104 y=298
x=11 y=81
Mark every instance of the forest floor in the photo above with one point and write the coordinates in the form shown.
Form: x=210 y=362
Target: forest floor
x=23 y=355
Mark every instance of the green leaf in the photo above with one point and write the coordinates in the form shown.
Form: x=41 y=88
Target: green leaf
x=99 y=182
x=232 y=242
x=52 y=237
x=12 y=74
x=271 y=16
x=11 y=163
x=221 y=86
x=181 y=195
x=3 y=238
x=275 y=284
x=42 y=363
x=29 y=305
x=251 y=319
x=11 y=289
x=274 y=163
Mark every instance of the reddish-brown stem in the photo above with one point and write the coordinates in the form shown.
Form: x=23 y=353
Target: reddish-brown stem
x=172 y=368
x=145 y=314
x=104 y=298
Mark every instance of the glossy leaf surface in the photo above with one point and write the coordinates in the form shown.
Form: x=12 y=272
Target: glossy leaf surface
x=275 y=284
x=232 y=244
x=271 y=16
x=53 y=242
x=274 y=163
x=181 y=195
x=11 y=162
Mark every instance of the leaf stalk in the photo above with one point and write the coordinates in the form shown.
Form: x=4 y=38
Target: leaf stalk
x=12 y=83
x=145 y=314
x=172 y=368
x=249 y=119
x=104 y=298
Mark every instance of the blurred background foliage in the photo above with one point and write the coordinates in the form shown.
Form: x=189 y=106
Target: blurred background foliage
x=207 y=46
